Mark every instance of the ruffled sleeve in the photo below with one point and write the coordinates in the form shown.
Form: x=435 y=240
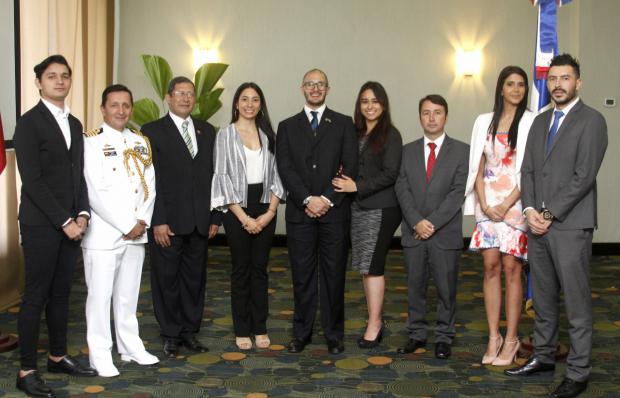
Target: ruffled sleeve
x=223 y=192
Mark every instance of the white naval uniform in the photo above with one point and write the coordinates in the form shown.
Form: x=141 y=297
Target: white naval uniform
x=113 y=266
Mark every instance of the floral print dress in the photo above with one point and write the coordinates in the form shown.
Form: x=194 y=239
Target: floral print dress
x=510 y=234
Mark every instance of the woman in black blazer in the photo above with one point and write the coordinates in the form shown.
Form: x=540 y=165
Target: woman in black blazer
x=375 y=214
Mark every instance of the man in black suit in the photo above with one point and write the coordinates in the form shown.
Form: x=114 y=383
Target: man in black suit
x=312 y=148
x=53 y=216
x=183 y=157
x=430 y=190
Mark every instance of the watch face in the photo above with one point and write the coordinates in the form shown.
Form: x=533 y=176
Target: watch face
x=547 y=215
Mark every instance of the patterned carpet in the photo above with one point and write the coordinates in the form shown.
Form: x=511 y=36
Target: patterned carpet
x=224 y=372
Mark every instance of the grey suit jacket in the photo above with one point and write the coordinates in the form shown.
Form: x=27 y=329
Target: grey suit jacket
x=565 y=179
x=440 y=200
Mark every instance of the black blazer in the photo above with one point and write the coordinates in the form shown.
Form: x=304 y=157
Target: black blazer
x=307 y=163
x=378 y=172
x=53 y=185
x=183 y=184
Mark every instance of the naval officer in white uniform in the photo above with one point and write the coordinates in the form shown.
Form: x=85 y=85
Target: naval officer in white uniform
x=121 y=189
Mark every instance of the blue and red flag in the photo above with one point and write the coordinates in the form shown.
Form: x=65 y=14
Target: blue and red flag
x=546 y=49
x=2 y=149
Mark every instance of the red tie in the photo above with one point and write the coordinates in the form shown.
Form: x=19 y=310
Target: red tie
x=431 y=161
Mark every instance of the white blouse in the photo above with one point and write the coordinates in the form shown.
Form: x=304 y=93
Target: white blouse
x=253 y=165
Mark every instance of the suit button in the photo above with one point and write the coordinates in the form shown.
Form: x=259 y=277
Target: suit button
x=314 y=166
x=136 y=191
x=113 y=168
x=135 y=209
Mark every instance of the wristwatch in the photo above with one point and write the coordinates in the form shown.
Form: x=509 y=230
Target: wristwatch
x=547 y=214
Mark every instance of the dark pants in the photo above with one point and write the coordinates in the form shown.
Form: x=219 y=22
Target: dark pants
x=560 y=260
x=248 y=277
x=49 y=260
x=318 y=248
x=423 y=261
x=178 y=277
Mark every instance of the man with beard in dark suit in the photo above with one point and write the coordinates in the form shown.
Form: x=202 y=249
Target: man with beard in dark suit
x=312 y=148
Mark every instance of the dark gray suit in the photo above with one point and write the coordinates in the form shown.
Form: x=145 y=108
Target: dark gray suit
x=439 y=201
x=565 y=181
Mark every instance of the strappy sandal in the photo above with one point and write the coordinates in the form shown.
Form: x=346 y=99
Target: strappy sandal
x=262 y=341
x=243 y=343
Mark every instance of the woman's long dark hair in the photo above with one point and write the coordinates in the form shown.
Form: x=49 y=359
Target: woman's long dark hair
x=378 y=135
x=498 y=107
x=262 y=117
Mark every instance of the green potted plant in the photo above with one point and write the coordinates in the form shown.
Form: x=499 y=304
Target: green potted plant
x=159 y=73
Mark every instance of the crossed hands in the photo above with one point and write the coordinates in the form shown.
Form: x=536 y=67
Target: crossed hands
x=497 y=213
x=76 y=229
x=423 y=230
x=137 y=231
x=254 y=226
x=317 y=206
x=538 y=225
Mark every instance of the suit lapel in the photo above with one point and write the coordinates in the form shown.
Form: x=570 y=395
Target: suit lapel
x=176 y=137
x=56 y=132
x=304 y=125
x=419 y=168
x=324 y=125
x=201 y=140
x=75 y=138
x=567 y=124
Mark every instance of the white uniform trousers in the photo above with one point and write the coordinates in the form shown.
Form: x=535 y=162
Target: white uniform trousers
x=112 y=275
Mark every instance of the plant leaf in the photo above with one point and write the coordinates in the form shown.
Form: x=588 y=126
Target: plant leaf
x=159 y=73
x=210 y=104
x=207 y=76
x=144 y=110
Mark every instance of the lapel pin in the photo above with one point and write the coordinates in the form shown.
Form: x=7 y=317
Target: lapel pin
x=198 y=131
x=328 y=120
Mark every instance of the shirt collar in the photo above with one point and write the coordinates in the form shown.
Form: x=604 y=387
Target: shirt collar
x=106 y=127
x=56 y=111
x=568 y=107
x=178 y=120
x=438 y=141
x=320 y=111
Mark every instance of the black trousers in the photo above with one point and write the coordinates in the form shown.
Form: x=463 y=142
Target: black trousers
x=248 y=277
x=49 y=261
x=178 y=278
x=318 y=253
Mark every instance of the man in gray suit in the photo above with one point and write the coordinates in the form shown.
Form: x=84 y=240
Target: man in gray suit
x=430 y=190
x=564 y=152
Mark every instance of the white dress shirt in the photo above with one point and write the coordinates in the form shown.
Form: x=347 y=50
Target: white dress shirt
x=566 y=109
x=178 y=121
x=320 y=111
x=62 y=118
x=427 y=150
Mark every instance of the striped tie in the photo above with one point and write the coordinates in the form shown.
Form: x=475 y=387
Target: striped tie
x=187 y=138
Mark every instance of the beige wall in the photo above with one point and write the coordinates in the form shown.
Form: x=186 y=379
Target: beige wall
x=408 y=45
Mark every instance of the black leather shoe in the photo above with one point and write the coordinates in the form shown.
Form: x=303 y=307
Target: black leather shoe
x=297 y=345
x=171 y=349
x=70 y=366
x=335 y=346
x=33 y=386
x=192 y=343
x=411 y=346
x=443 y=350
x=569 y=388
x=532 y=366
x=363 y=343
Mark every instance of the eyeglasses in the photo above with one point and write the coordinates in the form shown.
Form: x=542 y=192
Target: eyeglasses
x=313 y=85
x=179 y=94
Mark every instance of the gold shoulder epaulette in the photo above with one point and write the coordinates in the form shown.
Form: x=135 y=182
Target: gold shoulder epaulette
x=136 y=131
x=93 y=132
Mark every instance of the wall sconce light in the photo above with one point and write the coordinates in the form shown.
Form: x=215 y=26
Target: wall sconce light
x=202 y=56
x=468 y=62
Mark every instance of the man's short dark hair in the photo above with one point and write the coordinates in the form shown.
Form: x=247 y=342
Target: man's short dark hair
x=52 y=59
x=566 y=59
x=113 y=89
x=178 y=80
x=435 y=99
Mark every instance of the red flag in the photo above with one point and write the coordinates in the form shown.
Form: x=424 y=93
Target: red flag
x=2 y=151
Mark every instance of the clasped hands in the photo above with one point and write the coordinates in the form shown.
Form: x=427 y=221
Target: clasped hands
x=137 y=231
x=76 y=228
x=537 y=223
x=317 y=206
x=256 y=225
x=423 y=230
x=496 y=213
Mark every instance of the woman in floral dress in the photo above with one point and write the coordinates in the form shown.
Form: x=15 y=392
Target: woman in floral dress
x=493 y=196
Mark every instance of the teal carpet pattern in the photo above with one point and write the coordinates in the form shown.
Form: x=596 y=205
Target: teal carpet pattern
x=379 y=373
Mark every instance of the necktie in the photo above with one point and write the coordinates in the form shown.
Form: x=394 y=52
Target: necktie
x=557 y=115
x=314 y=123
x=430 y=163
x=187 y=138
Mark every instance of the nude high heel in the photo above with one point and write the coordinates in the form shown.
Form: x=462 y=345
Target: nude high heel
x=509 y=352
x=488 y=359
